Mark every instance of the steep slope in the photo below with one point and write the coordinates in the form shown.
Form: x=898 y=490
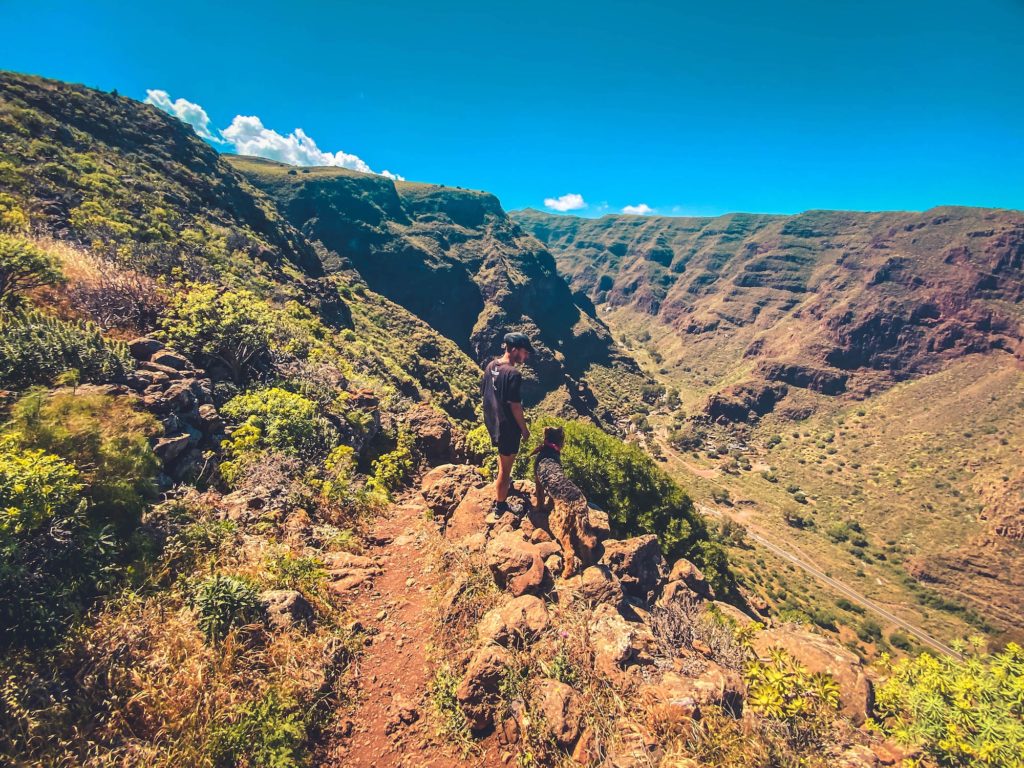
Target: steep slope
x=828 y=300
x=452 y=257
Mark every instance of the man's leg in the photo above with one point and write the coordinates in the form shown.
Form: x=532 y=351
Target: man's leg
x=504 y=478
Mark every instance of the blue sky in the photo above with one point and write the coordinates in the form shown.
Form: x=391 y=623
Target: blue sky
x=685 y=108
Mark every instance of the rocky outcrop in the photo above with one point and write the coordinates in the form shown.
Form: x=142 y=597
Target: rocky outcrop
x=744 y=402
x=517 y=564
x=478 y=693
x=445 y=487
x=515 y=623
x=436 y=438
x=286 y=608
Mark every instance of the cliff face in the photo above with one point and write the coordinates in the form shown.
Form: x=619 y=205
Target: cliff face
x=828 y=300
x=450 y=256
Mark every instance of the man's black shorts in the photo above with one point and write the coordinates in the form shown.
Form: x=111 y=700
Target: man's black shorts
x=508 y=443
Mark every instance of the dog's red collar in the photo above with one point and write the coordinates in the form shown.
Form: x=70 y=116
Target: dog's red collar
x=552 y=446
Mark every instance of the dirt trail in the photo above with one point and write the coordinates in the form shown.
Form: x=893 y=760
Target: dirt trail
x=390 y=722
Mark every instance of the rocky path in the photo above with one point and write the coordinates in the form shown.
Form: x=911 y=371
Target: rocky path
x=389 y=722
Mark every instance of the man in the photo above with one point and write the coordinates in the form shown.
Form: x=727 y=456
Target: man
x=503 y=409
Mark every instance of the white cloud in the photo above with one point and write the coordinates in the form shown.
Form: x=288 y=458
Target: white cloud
x=251 y=137
x=185 y=111
x=248 y=136
x=569 y=202
x=642 y=209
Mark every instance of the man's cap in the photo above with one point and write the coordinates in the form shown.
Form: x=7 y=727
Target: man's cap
x=517 y=340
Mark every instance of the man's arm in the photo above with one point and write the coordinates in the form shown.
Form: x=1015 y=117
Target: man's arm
x=519 y=416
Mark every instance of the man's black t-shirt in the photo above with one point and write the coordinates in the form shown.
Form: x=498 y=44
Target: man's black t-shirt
x=500 y=386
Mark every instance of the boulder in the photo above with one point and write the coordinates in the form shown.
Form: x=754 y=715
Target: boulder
x=143 y=347
x=596 y=585
x=515 y=563
x=438 y=440
x=171 y=359
x=167 y=449
x=445 y=486
x=818 y=653
x=478 y=693
x=690 y=575
x=714 y=685
x=286 y=608
x=470 y=516
x=599 y=522
x=611 y=638
x=638 y=564
x=560 y=706
x=209 y=420
x=515 y=623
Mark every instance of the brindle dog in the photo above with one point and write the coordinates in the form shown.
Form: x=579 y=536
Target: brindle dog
x=569 y=520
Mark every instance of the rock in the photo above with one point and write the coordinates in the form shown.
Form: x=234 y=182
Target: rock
x=171 y=359
x=638 y=564
x=818 y=653
x=470 y=515
x=403 y=712
x=515 y=563
x=539 y=536
x=611 y=638
x=445 y=486
x=690 y=575
x=346 y=571
x=515 y=623
x=730 y=613
x=286 y=608
x=209 y=420
x=478 y=691
x=715 y=685
x=677 y=591
x=554 y=563
x=167 y=449
x=599 y=522
x=560 y=705
x=438 y=440
x=633 y=747
x=585 y=752
x=143 y=347
x=596 y=585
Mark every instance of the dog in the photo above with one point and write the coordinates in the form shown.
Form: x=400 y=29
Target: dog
x=568 y=519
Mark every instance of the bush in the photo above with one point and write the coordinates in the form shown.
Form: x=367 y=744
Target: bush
x=781 y=689
x=215 y=327
x=223 y=603
x=46 y=553
x=23 y=267
x=276 y=420
x=621 y=479
x=394 y=468
x=480 y=451
x=35 y=348
x=342 y=493
x=962 y=712
x=104 y=437
x=266 y=733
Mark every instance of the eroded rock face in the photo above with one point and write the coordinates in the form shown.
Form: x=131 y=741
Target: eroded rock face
x=445 y=486
x=478 y=692
x=690 y=575
x=637 y=563
x=515 y=623
x=744 y=402
x=470 y=515
x=822 y=654
x=516 y=563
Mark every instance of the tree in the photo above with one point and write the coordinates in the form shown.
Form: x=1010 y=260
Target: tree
x=232 y=328
x=23 y=267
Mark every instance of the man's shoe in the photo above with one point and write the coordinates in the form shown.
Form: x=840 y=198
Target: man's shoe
x=501 y=507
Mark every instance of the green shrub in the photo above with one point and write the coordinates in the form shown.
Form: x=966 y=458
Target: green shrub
x=394 y=468
x=219 y=327
x=962 y=712
x=480 y=450
x=223 y=603
x=23 y=267
x=341 y=492
x=104 y=437
x=35 y=348
x=51 y=561
x=275 y=419
x=621 y=479
x=265 y=733
x=781 y=689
